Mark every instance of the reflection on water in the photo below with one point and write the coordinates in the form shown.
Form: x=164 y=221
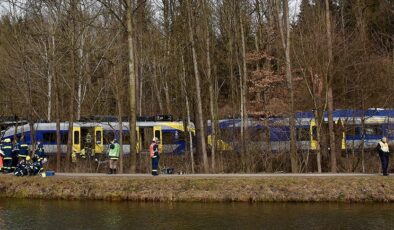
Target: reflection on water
x=37 y=214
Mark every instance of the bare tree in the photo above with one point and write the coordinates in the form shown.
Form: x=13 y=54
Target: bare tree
x=202 y=143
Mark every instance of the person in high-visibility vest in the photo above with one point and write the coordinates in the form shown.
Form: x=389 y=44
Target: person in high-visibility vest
x=1 y=156
x=23 y=149
x=7 y=150
x=155 y=156
x=384 y=154
x=113 y=154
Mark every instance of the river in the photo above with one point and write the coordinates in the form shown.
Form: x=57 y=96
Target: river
x=44 y=214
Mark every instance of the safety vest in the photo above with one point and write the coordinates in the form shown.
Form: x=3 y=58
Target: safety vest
x=114 y=151
x=384 y=146
x=153 y=150
x=23 y=150
x=7 y=150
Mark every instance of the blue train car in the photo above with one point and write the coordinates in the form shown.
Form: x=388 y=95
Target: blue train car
x=360 y=129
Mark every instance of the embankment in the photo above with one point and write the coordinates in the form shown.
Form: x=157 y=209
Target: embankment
x=212 y=189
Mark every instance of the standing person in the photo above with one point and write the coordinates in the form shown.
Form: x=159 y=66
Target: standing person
x=384 y=152
x=1 y=156
x=23 y=149
x=40 y=152
x=15 y=154
x=113 y=154
x=7 y=150
x=155 y=156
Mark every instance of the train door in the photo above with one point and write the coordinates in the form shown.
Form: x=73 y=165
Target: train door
x=76 y=137
x=157 y=130
x=98 y=140
x=145 y=135
x=139 y=144
x=313 y=135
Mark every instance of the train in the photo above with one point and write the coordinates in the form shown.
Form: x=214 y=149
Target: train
x=358 y=129
x=171 y=134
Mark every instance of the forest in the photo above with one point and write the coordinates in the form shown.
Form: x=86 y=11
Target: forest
x=201 y=60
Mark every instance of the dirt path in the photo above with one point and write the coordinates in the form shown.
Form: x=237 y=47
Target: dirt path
x=262 y=175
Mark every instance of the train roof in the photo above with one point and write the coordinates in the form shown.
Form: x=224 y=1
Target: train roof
x=106 y=126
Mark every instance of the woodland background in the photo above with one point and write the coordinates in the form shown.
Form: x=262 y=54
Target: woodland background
x=200 y=60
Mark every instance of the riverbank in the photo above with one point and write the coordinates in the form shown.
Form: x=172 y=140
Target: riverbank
x=202 y=189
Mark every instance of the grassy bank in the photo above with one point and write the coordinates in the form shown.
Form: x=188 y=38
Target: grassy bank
x=215 y=189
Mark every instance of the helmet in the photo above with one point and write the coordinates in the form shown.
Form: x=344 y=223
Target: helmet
x=155 y=139
x=28 y=158
x=7 y=140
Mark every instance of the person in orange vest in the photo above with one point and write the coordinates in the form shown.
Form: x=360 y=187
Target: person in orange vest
x=155 y=156
x=1 y=157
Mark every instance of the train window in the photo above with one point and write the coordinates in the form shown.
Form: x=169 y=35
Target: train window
x=280 y=133
x=230 y=134
x=49 y=137
x=168 y=138
x=126 y=138
x=303 y=134
x=76 y=137
x=352 y=131
x=314 y=133
x=98 y=137
x=181 y=135
x=157 y=134
x=64 y=138
x=108 y=137
x=255 y=134
x=390 y=130
x=373 y=130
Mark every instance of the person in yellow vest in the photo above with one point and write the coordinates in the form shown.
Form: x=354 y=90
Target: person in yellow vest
x=155 y=156
x=7 y=159
x=384 y=154
x=113 y=154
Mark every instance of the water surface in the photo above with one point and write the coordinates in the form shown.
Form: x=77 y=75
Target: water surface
x=40 y=214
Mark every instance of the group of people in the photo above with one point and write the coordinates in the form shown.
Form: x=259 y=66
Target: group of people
x=114 y=153
x=16 y=157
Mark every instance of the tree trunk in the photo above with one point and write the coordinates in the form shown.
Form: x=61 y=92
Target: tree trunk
x=80 y=74
x=52 y=69
x=72 y=90
x=156 y=86
x=120 y=124
x=330 y=99
x=244 y=116
x=318 y=115
x=132 y=90
x=211 y=87
x=198 y=90
x=188 y=114
x=286 y=46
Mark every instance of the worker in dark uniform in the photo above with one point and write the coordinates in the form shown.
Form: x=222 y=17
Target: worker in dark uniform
x=23 y=150
x=15 y=154
x=22 y=168
x=40 y=158
x=155 y=156
x=384 y=154
x=7 y=150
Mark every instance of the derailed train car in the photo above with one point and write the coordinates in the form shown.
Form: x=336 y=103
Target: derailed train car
x=355 y=129
x=96 y=136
